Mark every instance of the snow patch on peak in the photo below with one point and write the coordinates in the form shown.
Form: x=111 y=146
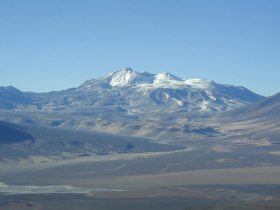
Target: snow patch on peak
x=123 y=71
x=123 y=77
x=199 y=83
x=166 y=77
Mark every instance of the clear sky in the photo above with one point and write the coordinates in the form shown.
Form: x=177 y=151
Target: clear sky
x=57 y=44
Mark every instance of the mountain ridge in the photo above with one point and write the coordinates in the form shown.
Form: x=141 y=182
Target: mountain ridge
x=268 y=108
x=130 y=89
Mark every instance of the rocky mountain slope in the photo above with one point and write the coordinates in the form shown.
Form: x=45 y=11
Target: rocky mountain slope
x=267 y=109
x=132 y=91
x=128 y=102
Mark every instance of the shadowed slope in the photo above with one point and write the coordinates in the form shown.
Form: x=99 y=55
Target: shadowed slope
x=11 y=134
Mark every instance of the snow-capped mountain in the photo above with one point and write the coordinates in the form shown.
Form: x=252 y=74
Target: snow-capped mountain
x=128 y=102
x=136 y=92
x=128 y=77
x=133 y=90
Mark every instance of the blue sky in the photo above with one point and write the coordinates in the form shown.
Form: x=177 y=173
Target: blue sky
x=57 y=44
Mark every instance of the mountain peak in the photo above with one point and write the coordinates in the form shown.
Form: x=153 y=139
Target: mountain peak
x=9 y=89
x=123 y=70
x=122 y=77
x=166 y=77
x=128 y=69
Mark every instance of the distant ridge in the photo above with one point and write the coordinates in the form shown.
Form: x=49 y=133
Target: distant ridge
x=268 y=108
x=130 y=89
x=128 y=102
